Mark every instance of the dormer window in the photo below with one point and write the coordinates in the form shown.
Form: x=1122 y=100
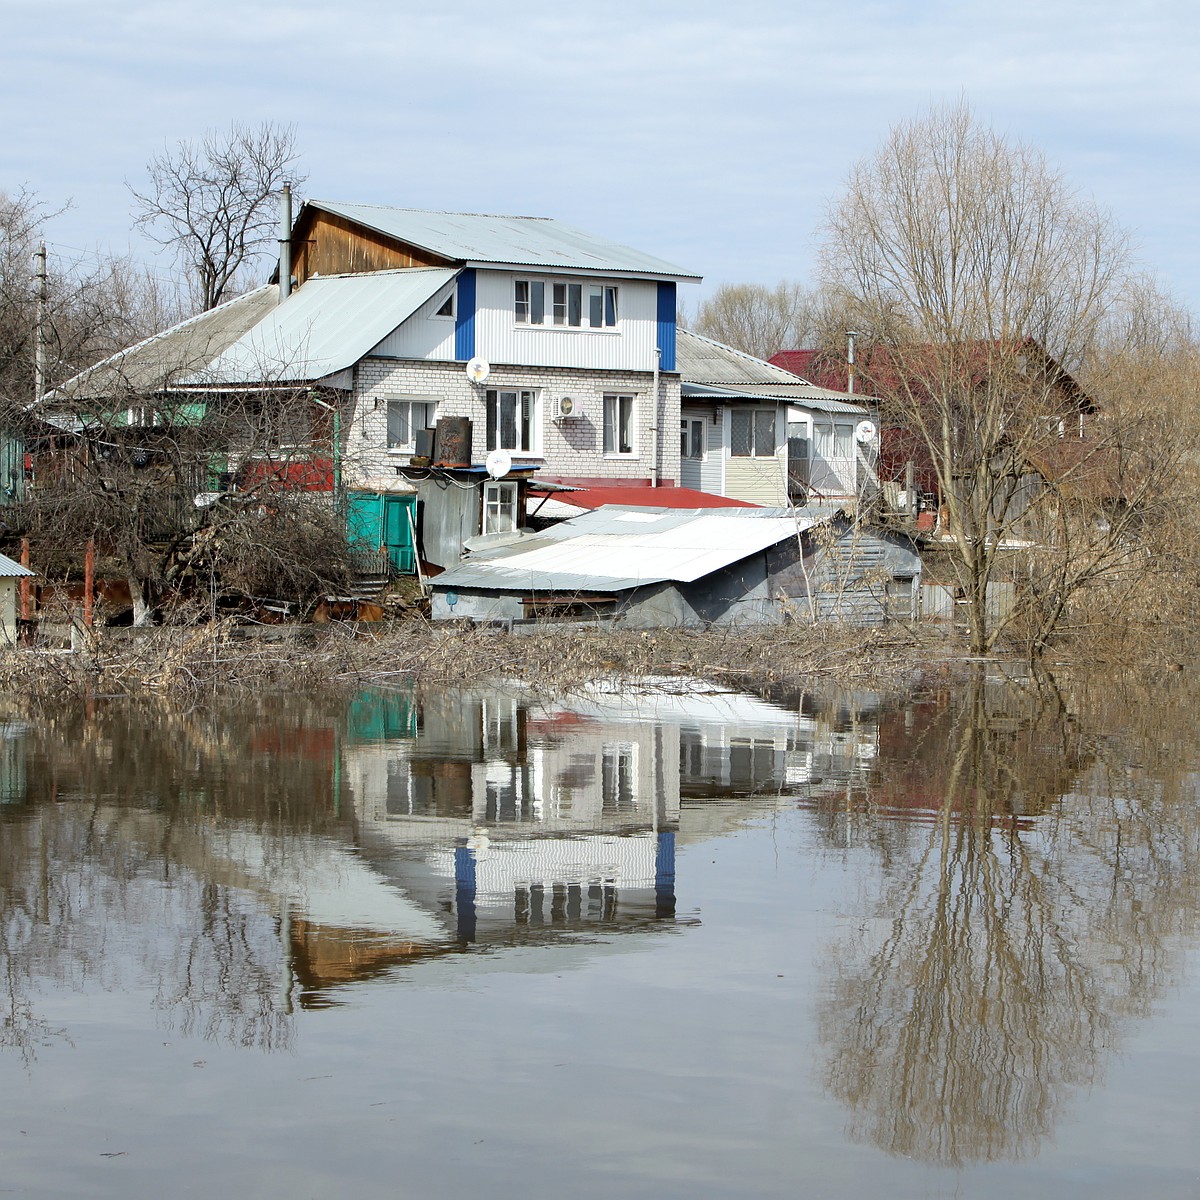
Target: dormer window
x=566 y=305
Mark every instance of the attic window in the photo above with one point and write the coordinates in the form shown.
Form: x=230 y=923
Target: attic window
x=447 y=309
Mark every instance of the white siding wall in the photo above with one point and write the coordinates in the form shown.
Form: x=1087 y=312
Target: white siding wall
x=499 y=338
x=757 y=480
x=706 y=474
x=573 y=447
x=423 y=335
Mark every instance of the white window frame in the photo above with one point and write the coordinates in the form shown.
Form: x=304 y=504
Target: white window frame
x=831 y=435
x=499 y=496
x=583 y=305
x=450 y=298
x=528 y=428
x=693 y=439
x=397 y=404
x=614 y=446
x=753 y=414
x=619 y=776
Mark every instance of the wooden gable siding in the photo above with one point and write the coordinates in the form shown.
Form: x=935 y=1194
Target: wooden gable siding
x=324 y=244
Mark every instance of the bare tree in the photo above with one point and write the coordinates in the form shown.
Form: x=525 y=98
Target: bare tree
x=757 y=319
x=211 y=202
x=93 y=307
x=983 y=281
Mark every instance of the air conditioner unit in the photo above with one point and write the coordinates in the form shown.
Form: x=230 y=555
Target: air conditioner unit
x=565 y=406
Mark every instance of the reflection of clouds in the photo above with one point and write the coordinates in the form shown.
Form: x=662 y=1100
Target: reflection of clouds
x=1005 y=955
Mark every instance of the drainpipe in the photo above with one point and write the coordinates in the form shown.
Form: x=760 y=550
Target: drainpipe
x=285 y=243
x=654 y=472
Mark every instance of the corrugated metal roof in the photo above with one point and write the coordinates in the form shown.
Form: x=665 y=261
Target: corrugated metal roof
x=12 y=570
x=804 y=396
x=493 y=239
x=703 y=360
x=164 y=359
x=325 y=326
x=616 y=548
x=714 y=371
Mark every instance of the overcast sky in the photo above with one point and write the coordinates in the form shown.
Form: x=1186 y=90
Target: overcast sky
x=712 y=135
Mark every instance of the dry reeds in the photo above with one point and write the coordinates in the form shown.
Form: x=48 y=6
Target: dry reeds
x=220 y=657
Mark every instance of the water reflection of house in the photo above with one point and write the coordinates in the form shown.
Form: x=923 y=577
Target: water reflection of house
x=724 y=744
x=514 y=818
x=497 y=767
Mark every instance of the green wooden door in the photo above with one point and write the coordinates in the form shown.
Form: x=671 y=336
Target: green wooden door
x=364 y=520
x=380 y=521
x=397 y=532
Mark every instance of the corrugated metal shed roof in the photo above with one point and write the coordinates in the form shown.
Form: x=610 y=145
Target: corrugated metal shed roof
x=164 y=359
x=805 y=396
x=616 y=548
x=493 y=239
x=12 y=570
x=702 y=360
x=325 y=326
x=714 y=371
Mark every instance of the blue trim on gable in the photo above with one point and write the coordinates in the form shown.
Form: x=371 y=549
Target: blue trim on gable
x=666 y=326
x=464 y=316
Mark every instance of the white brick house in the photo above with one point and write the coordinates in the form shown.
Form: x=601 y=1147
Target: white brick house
x=556 y=314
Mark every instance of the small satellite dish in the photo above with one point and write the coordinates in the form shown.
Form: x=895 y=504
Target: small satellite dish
x=865 y=431
x=478 y=369
x=498 y=463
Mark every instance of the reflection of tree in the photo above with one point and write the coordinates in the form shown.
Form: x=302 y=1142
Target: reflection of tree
x=1008 y=949
x=114 y=846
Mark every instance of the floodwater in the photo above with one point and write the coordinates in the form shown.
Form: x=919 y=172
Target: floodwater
x=829 y=944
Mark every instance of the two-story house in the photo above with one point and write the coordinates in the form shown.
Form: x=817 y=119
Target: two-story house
x=550 y=346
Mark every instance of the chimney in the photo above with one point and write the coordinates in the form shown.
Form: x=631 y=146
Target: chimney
x=285 y=243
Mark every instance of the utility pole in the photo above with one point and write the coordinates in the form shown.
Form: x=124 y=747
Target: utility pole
x=39 y=331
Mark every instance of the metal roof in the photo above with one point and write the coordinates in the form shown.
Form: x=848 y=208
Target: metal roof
x=9 y=569
x=713 y=371
x=494 y=240
x=158 y=362
x=804 y=396
x=703 y=360
x=614 y=548
x=324 y=327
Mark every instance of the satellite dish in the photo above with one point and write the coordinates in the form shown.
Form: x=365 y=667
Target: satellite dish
x=865 y=431
x=498 y=463
x=478 y=369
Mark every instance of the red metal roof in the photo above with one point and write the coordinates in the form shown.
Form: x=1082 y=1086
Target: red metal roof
x=644 y=497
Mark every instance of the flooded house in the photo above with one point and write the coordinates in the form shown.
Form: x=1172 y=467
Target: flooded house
x=755 y=431
x=646 y=568
x=546 y=346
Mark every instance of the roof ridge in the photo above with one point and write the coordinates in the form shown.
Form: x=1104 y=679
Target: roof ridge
x=439 y=212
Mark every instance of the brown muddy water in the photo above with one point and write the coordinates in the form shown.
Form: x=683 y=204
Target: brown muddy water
x=828 y=944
